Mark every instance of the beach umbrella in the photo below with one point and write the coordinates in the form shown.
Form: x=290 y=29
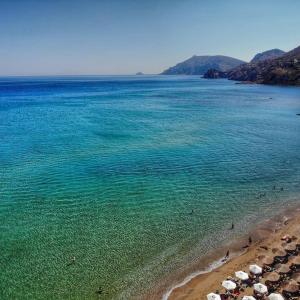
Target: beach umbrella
x=296 y=277
x=275 y=296
x=295 y=260
x=283 y=269
x=213 y=296
x=291 y=287
x=272 y=277
x=248 y=298
x=241 y=275
x=260 y=288
x=290 y=247
x=279 y=252
x=279 y=246
x=255 y=269
x=229 y=285
x=267 y=260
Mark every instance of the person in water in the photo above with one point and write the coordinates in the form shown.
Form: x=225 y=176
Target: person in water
x=72 y=261
x=99 y=291
x=232 y=226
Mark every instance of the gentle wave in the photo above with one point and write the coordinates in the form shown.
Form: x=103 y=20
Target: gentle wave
x=214 y=265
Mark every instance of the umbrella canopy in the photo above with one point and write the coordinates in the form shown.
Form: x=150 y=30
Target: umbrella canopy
x=283 y=269
x=296 y=277
x=290 y=247
x=279 y=252
x=229 y=285
x=275 y=296
x=213 y=296
x=248 y=298
x=295 y=260
x=272 y=277
x=255 y=269
x=267 y=260
x=241 y=275
x=260 y=288
x=291 y=287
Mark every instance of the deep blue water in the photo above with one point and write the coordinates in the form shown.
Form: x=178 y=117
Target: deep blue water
x=109 y=169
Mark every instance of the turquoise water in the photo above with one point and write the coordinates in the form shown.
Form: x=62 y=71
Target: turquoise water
x=109 y=169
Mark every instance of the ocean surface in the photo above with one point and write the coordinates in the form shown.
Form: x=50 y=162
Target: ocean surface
x=134 y=176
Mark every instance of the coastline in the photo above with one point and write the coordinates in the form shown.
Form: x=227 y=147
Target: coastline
x=211 y=270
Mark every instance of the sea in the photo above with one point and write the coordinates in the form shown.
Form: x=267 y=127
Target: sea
x=109 y=184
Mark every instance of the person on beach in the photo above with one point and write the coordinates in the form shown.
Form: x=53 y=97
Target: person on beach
x=249 y=243
x=226 y=256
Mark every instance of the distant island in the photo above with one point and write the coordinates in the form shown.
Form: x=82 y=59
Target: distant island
x=139 y=73
x=198 y=65
x=270 y=67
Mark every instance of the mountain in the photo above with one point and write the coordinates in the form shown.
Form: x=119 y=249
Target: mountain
x=281 y=70
x=198 y=65
x=270 y=54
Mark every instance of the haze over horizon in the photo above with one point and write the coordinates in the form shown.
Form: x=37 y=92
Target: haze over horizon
x=123 y=37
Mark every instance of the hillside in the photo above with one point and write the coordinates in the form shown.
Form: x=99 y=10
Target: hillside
x=270 y=54
x=282 y=70
x=198 y=65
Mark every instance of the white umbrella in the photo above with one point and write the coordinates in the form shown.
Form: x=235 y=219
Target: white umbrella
x=228 y=285
x=248 y=298
x=241 y=275
x=260 y=288
x=274 y=296
x=255 y=269
x=213 y=296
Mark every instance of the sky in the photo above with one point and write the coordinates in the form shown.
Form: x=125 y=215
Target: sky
x=90 y=37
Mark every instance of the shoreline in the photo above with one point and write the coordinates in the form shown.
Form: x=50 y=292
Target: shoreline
x=214 y=265
x=207 y=272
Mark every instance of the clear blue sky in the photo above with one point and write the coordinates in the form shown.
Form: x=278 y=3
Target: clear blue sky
x=126 y=36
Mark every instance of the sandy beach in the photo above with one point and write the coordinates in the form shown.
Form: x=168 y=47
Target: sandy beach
x=265 y=237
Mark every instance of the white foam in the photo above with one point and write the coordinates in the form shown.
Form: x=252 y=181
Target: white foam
x=216 y=264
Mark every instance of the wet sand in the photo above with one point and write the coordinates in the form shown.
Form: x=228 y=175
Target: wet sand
x=266 y=235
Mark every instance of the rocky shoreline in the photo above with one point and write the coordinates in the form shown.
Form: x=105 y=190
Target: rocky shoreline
x=283 y=70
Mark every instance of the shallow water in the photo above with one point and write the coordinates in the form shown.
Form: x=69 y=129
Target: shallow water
x=109 y=170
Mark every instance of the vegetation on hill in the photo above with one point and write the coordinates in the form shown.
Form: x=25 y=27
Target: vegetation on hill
x=198 y=65
x=270 y=54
